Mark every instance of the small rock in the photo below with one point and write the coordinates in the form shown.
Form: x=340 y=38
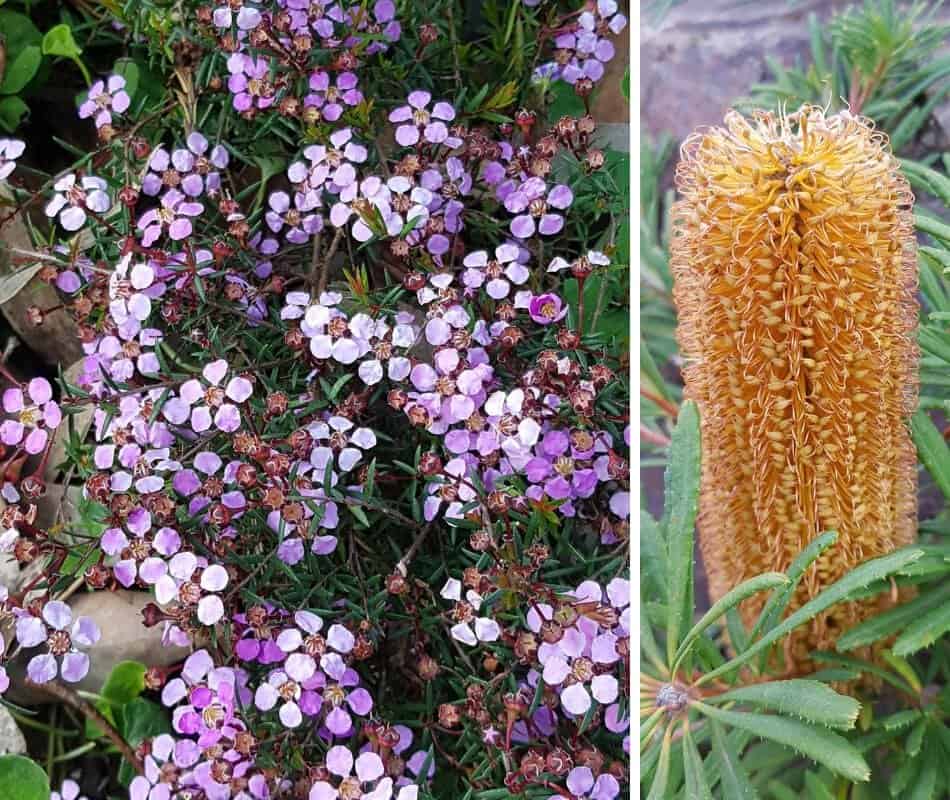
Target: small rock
x=12 y=742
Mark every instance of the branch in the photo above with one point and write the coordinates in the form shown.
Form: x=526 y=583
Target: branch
x=66 y=695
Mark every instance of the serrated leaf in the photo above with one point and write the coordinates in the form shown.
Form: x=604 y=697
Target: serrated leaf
x=22 y=779
x=681 y=501
x=826 y=748
x=859 y=577
x=811 y=700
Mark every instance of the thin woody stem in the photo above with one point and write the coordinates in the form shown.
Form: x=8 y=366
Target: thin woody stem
x=70 y=698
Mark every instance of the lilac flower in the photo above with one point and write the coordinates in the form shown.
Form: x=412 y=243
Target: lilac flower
x=332 y=166
x=369 y=772
x=530 y=197
x=192 y=168
x=382 y=22
x=546 y=309
x=247 y=17
x=10 y=151
x=181 y=573
x=500 y=272
x=69 y=790
x=300 y=224
x=63 y=638
x=172 y=216
x=103 y=98
x=420 y=123
x=143 y=557
x=330 y=98
x=153 y=785
x=197 y=402
x=128 y=288
x=248 y=82
x=34 y=420
x=581 y=784
x=72 y=200
x=469 y=630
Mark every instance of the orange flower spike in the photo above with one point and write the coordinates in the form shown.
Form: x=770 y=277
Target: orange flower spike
x=794 y=262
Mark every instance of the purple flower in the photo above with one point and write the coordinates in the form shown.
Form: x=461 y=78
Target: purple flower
x=247 y=17
x=420 y=123
x=300 y=224
x=63 y=638
x=103 y=98
x=197 y=402
x=249 y=82
x=34 y=420
x=500 y=272
x=330 y=98
x=369 y=781
x=192 y=168
x=153 y=785
x=481 y=629
x=173 y=216
x=382 y=22
x=68 y=791
x=530 y=198
x=181 y=570
x=10 y=151
x=546 y=309
x=581 y=783
x=72 y=200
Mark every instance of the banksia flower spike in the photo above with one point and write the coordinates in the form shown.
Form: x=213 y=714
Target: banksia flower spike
x=794 y=263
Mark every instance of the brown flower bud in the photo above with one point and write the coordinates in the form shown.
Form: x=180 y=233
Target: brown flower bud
x=35 y=315
x=594 y=160
x=430 y=464
x=414 y=281
x=128 y=196
x=428 y=33
x=428 y=668
x=449 y=715
x=277 y=404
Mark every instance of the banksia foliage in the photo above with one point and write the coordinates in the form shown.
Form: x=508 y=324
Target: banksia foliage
x=795 y=273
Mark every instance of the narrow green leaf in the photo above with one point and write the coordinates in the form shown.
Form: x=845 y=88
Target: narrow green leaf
x=816 y=789
x=778 y=602
x=653 y=556
x=892 y=620
x=923 y=631
x=932 y=449
x=859 y=577
x=732 y=775
x=697 y=787
x=811 y=700
x=662 y=775
x=731 y=599
x=827 y=748
x=679 y=518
